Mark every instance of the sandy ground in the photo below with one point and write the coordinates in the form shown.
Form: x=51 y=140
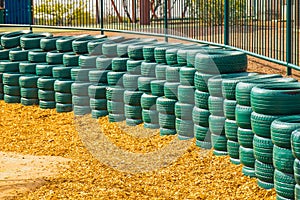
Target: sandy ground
x=21 y=173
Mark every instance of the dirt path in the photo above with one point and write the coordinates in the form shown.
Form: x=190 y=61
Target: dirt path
x=21 y=173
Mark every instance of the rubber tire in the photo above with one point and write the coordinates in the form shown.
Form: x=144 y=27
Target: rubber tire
x=99 y=113
x=63 y=98
x=37 y=56
x=221 y=62
x=160 y=71
x=133 y=98
x=201 y=99
x=116 y=117
x=231 y=130
x=295 y=143
x=133 y=112
x=119 y=64
x=167 y=121
x=165 y=105
x=247 y=157
x=98 y=76
x=284 y=184
x=229 y=109
x=148 y=69
x=202 y=133
x=282 y=128
x=46 y=83
x=70 y=59
x=8 y=66
x=63 y=86
x=248 y=171
x=44 y=69
x=49 y=44
x=98 y=104
x=12 y=90
x=29 y=93
x=263 y=149
x=61 y=108
x=186 y=94
x=130 y=81
x=46 y=95
x=103 y=63
x=32 y=41
x=18 y=54
x=115 y=93
x=61 y=72
x=12 y=39
x=115 y=78
x=245 y=137
x=80 y=100
x=87 y=62
x=150 y=116
x=216 y=105
x=171 y=90
x=276 y=99
x=219 y=142
x=296 y=168
x=172 y=74
x=217 y=125
x=264 y=172
x=243 y=116
x=54 y=57
x=201 y=81
x=114 y=107
x=165 y=131
x=80 y=88
x=29 y=102
x=134 y=66
x=148 y=102
x=233 y=149
x=27 y=68
x=157 y=87
x=283 y=159
x=200 y=116
x=11 y=78
x=97 y=91
x=11 y=99
x=28 y=81
x=78 y=74
x=81 y=110
x=47 y=104
x=185 y=129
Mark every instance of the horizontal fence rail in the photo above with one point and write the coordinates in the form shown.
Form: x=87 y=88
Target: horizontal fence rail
x=266 y=29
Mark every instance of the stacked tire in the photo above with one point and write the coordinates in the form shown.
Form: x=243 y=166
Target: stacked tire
x=29 y=90
x=243 y=118
x=63 y=95
x=46 y=93
x=5 y=67
x=270 y=102
x=283 y=159
x=217 y=118
x=12 y=93
x=115 y=91
x=295 y=142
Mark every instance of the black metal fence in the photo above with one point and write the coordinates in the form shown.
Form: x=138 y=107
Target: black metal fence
x=269 y=29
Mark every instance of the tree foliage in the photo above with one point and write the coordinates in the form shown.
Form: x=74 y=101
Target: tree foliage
x=61 y=13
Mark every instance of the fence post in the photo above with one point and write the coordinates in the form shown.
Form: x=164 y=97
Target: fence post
x=101 y=16
x=166 y=20
x=288 y=35
x=226 y=22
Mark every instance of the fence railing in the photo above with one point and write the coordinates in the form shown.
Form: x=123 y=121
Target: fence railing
x=266 y=29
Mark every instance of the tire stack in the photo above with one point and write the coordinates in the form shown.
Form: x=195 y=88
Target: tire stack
x=84 y=77
x=95 y=46
x=270 y=102
x=136 y=68
x=46 y=93
x=283 y=159
x=243 y=118
x=11 y=88
x=217 y=118
x=295 y=144
x=115 y=91
x=29 y=90
x=185 y=113
x=5 y=67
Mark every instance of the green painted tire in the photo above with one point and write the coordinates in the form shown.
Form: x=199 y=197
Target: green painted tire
x=12 y=39
x=37 y=56
x=116 y=117
x=133 y=112
x=80 y=88
x=115 y=93
x=32 y=41
x=184 y=128
x=165 y=131
x=12 y=90
x=80 y=100
x=44 y=69
x=8 y=66
x=11 y=78
x=295 y=143
x=29 y=93
x=186 y=94
x=229 y=109
x=144 y=83
x=46 y=83
x=28 y=81
x=54 y=57
x=98 y=104
x=247 y=157
x=63 y=85
x=61 y=108
x=216 y=105
x=97 y=91
x=165 y=105
x=18 y=54
x=99 y=113
x=264 y=172
x=61 y=72
x=233 y=149
x=202 y=133
x=221 y=62
x=148 y=102
x=283 y=159
x=217 y=125
x=114 y=107
x=172 y=74
x=200 y=116
x=263 y=149
x=11 y=99
x=150 y=116
x=133 y=98
x=78 y=74
x=160 y=71
x=284 y=184
x=134 y=66
x=219 y=142
x=133 y=122
x=98 y=76
x=231 y=130
x=27 y=67
x=201 y=99
x=46 y=95
x=103 y=63
x=201 y=81
x=171 y=90
x=282 y=128
x=87 y=61
x=243 y=116
x=157 y=87
x=245 y=137
x=148 y=69
x=49 y=43
x=70 y=59
x=119 y=64
x=167 y=121
x=130 y=81
x=248 y=171
x=29 y=102
x=47 y=104
x=63 y=98
x=186 y=76
x=81 y=110
x=115 y=78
